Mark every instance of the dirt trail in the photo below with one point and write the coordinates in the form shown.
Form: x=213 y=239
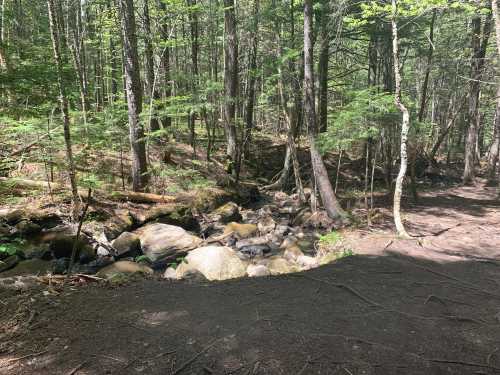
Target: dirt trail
x=398 y=308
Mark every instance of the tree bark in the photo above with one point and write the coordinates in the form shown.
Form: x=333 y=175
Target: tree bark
x=324 y=51
x=495 y=147
x=405 y=126
x=134 y=95
x=323 y=183
x=165 y=34
x=54 y=32
x=230 y=82
x=152 y=93
x=249 y=112
x=479 y=44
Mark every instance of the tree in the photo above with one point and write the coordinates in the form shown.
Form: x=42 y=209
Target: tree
x=323 y=183
x=405 y=125
x=134 y=95
x=56 y=46
x=231 y=83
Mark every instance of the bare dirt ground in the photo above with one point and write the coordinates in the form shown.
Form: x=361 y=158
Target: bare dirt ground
x=426 y=306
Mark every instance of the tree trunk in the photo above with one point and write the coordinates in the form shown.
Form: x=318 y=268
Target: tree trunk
x=230 y=82
x=323 y=183
x=193 y=22
x=405 y=126
x=249 y=112
x=495 y=147
x=134 y=95
x=324 y=51
x=479 y=44
x=165 y=34
x=152 y=93
x=54 y=32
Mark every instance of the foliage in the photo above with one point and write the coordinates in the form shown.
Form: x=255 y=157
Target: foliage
x=360 y=119
x=331 y=238
x=11 y=247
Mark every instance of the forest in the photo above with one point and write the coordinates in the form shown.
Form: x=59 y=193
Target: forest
x=249 y=187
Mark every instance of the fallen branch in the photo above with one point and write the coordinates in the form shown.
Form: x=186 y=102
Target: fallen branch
x=26 y=356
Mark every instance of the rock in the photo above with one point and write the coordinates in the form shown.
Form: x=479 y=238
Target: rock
x=214 y=262
x=120 y=222
x=170 y=273
x=5 y=230
x=258 y=270
x=240 y=230
x=29 y=267
x=280 y=196
x=61 y=245
x=60 y=265
x=266 y=225
x=194 y=276
x=292 y=253
x=102 y=252
x=95 y=265
x=11 y=215
x=27 y=228
x=9 y=262
x=279 y=266
x=282 y=230
x=302 y=217
x=253 y=251
x=251 y=242
x=127 y=244
x=161 y=241
x=123 y=267
x=307 y=262
x=227 y=213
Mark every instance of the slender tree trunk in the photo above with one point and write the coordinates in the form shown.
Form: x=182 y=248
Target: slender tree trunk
x=165 y=34
x=405 y=126
x=249 y=113
x=152 y=93
x=193 y=22
x=324 y=51
x=134 y=95
x=425 y=84
x=230 y=82
x=323 y=183
x=54 y=32
x=495 y=147
x=479 y=44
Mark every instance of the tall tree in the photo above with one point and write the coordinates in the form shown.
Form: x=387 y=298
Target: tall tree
x=231 y=82
x=323 y=183
x=495 y=146
x=134 y=95
x=63 y=99
x=479 y=41
x=405 y=125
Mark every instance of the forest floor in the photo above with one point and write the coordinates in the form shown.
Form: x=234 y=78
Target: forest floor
x=426 y=306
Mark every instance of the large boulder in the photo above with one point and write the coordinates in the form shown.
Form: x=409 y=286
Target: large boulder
x=9 y=262
x=124 y=267
x=127 y=244
x=214 y=262
x=163 y=241
x=258 y=270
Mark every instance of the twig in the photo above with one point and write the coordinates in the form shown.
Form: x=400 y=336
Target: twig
x=75 y=370
x=193 y=358
x=26 y=356
x=343 y=286
x=77 y=237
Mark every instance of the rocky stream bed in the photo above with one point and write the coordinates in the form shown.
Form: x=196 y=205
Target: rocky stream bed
x=272 y=235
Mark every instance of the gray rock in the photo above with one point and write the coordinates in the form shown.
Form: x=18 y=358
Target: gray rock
x=253 y=251
x=124 y=267
x=27 y=228
x=258 y=270
x=161 y=241
x=214 y=262
x=127 y=244
x=227 y=213
x=9 y=262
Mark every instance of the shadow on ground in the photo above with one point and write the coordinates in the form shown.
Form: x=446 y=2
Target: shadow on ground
x=363 y=315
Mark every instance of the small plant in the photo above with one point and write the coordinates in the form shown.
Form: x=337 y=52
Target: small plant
x=177 y=262
x=331 y=238
x=14 y=247
x=143 y=259
x=345 y=253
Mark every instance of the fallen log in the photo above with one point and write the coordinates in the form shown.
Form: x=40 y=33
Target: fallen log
x=131 y=196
